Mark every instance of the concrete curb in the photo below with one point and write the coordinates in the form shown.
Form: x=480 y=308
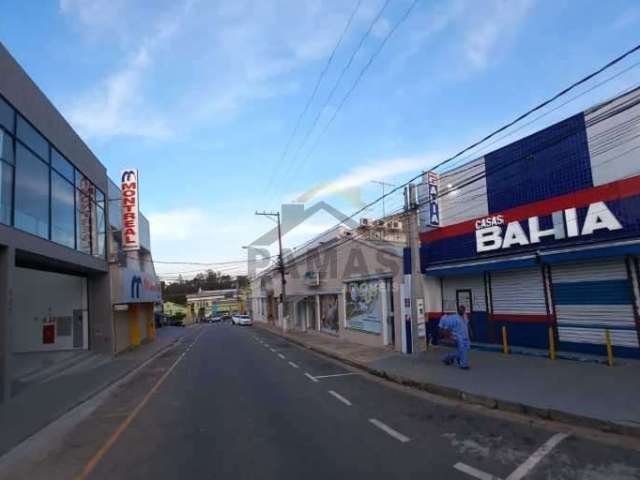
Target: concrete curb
x=472 y=398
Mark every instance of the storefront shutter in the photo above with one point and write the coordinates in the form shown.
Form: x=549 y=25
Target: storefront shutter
x=590 y=297
x=518 y=292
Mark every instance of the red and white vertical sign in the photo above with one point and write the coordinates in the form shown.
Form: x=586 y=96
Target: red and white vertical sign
x=130 y=210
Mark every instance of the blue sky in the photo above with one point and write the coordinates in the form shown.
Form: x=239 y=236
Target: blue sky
x=202 y=96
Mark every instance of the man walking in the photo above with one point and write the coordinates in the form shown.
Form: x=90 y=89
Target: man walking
x=457 y=325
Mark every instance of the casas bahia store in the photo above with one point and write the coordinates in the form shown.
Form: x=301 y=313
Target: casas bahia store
x=542 y=236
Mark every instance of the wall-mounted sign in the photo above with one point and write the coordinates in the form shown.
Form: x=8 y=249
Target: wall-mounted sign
x=428 y=200
x=492 y=234
x=130 y=210
x=138 y=287
x=86 y=212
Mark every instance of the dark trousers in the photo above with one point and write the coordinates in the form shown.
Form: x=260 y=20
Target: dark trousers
x=432 y=331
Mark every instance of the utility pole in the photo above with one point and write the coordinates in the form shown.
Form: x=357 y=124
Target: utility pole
x=411 y=208
x=383 y=184
x=283 y=295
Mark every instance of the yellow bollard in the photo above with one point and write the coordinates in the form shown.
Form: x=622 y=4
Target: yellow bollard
x=552 y=344
x=607 y=338
x=505 y=343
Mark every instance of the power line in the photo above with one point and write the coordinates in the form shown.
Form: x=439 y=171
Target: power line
x=340 y=77
x=315 y=91
x=358 y=78
x=495 y=132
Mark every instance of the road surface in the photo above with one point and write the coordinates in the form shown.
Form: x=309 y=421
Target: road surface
x=240 y=403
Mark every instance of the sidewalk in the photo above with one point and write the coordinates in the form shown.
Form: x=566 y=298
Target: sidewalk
x=41 y=403
x=585 y=394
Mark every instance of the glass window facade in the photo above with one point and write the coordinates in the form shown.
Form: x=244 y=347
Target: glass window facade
x=42 y=193
x=62 y=165
x=7 y=116
x=33 y=139
x=62 y=211
x=6 y=192
x=32 y=193
x=6 y=147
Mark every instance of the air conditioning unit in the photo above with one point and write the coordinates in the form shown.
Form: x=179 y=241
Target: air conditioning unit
x=395 y=225
x=365 y=222
x=379 y=223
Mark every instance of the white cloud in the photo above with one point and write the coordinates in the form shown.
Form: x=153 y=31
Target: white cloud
x=223 y=56
x=364 y=174
x=116 y=106
x=492 y=28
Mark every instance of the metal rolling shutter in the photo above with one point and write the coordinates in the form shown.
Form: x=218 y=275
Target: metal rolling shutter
x=590 y=297
x=519 y=292
x=475 y=283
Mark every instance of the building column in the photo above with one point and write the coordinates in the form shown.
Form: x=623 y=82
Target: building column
x=7 y=274
x=100 y=314
x=384 y=312
x=318 y=323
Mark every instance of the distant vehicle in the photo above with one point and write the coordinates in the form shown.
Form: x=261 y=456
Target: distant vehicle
x=226 y=318
x=215 y=319
x=241 y=320
x=176 y=322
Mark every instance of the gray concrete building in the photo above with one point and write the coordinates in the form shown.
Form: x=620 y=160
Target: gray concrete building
x=55 y=292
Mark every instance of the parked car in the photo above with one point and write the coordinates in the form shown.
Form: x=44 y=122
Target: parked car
x=241 y=320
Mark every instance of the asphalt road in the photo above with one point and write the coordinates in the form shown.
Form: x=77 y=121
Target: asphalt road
x=239 y=403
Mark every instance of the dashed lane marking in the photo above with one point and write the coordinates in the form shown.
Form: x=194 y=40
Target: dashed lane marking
x=389 y=431
x=474 y=472
x=337 y=375
x=281 y=356
x=340 y=397
x=310 y=377
x=293 y=365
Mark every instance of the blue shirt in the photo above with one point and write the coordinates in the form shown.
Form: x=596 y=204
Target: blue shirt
x=457 y=325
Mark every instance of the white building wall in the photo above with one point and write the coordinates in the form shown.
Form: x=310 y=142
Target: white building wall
x=40 y=296
x=614 y=139
x=459 y=202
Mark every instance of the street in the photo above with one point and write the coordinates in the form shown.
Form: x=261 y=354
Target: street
x=237 y=402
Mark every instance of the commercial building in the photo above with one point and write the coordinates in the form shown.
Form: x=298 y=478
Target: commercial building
x=135 y=288
x=347 y=286
x=55 y=282
x=213 y=302
x=542 y=236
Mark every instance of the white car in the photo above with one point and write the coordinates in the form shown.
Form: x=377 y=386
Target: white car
x=241 y=320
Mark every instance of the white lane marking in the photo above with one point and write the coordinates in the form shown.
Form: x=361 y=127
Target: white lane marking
x=281 y=356
x=390 y=431
x=474 y=472
x=293 y=365
x=536 y=456
x=310 y=377
x=337 y=375
x=340 y=397
x=266 y=345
